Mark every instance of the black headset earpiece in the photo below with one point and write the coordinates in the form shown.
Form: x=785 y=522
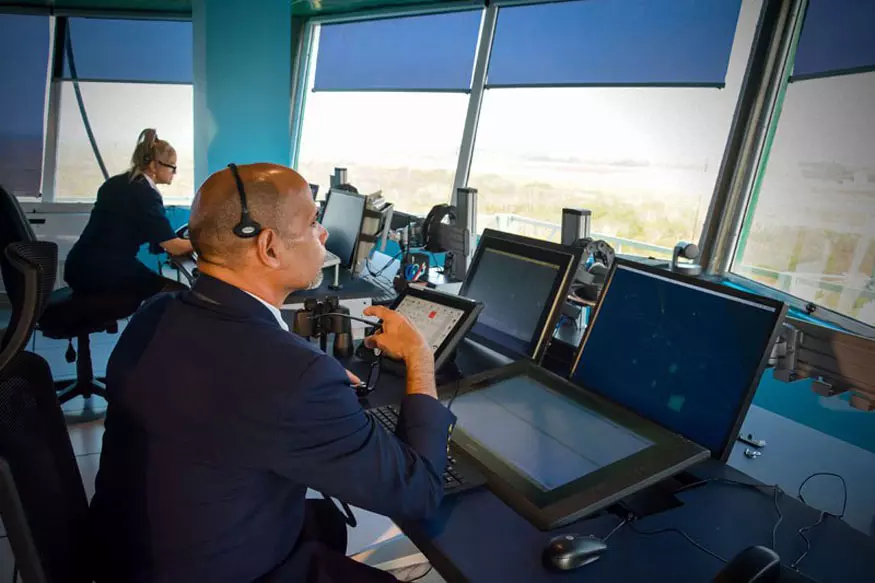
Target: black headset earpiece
x=247 y=227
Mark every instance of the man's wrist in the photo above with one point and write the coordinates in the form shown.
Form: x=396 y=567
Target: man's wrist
x=419 y=357
x=420 y=373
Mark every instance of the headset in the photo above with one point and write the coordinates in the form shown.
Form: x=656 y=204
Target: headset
x=430 y=227
x=247 y=227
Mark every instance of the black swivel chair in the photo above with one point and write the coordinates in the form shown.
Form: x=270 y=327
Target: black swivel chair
x=67 y=315
x=42 y=500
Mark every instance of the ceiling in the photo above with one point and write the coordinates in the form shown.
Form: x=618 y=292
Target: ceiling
x=183 y=7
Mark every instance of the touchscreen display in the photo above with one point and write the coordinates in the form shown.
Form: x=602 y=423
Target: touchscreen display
x=434 y=320
x=549 y=438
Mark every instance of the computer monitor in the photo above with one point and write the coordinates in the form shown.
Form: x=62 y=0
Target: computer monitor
x=342 y=218
x=522 y=282
x=555 y=452
x=685 y=353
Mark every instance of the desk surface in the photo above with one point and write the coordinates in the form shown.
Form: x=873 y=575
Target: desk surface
x=476 y=537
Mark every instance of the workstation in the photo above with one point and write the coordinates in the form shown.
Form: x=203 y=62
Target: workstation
x=625 y=409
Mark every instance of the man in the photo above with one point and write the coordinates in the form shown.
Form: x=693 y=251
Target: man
x=219 y=419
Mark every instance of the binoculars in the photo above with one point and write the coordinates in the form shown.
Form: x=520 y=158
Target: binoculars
x=322 y=318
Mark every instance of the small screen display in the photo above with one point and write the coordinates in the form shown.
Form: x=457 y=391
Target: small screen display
x=434 y=320
x=549 y=438
x=515 y=291
x=343 y=220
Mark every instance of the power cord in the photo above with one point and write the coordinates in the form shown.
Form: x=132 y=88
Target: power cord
x=823 y=514
x=777 y=492
x=419 y=577
x=687 y=537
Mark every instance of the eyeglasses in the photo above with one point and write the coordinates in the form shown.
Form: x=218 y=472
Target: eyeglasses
x=171 y=166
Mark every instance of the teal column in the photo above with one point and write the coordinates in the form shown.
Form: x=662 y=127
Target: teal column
x=242 y=83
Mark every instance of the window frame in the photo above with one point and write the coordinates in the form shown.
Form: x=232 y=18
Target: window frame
x=730 y=254
x=308 y=54
x=60 y=22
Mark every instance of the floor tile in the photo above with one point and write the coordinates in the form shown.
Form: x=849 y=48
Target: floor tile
x=87 y=438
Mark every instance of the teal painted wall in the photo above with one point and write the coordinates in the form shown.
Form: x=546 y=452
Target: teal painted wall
x=831 y=415
x=242 y=83
x=178 y=216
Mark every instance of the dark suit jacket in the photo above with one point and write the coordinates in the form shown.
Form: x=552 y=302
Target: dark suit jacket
x=218 y=421
x=126 y=215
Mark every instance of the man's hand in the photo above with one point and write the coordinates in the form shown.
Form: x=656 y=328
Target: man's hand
x=399 y=338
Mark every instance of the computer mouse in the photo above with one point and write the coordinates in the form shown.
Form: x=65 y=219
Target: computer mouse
x=752 y=565
x=570 y=551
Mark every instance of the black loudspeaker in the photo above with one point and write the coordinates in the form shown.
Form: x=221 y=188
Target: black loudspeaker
x=575 y=225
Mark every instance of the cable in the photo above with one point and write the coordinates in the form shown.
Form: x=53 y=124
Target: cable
x=616 y=528
x=71 y=63
x=778 y=492
x=385 y=267
x=831 y=475
x=823 y=514
x=455 y=394
x=418 y=577
x=683 y=534
x=357 y=319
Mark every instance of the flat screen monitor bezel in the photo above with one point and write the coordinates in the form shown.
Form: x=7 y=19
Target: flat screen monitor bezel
x=471 y=310
x=780 y=312
x=668 y=455
x=347 y=262
x=567 y=258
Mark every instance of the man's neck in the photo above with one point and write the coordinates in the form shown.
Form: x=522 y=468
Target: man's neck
x=254 y=285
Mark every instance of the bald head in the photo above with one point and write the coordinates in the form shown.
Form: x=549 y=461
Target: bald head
x=277 y=198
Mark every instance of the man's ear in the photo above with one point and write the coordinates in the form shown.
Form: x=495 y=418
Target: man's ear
x=266 y=246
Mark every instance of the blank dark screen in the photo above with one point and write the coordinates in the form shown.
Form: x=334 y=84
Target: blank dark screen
x=680 y=355
x=343 y=221
x=515 y=291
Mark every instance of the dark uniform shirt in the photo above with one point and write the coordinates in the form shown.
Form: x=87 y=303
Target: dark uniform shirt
x=126 y=215
x=218 y=422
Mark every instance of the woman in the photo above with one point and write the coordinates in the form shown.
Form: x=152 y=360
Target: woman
x=128 y=212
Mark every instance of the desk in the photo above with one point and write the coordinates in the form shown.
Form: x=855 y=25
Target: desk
x=476 y=537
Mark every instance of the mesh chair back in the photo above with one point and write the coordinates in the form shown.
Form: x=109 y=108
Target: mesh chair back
x=14 y=228
x=35 y=267
x=45 y=509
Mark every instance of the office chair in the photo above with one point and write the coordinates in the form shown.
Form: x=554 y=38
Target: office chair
x=67 y=315
x=42 y=500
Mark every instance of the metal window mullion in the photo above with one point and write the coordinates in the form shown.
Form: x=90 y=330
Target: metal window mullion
x=307 y=59
x=53 y=109
x=767 y=70
x=475 y=99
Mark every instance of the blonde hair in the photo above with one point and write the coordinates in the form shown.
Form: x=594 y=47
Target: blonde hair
x=149 y=148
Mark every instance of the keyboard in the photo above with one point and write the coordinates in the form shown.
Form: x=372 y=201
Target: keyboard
x=458 y=477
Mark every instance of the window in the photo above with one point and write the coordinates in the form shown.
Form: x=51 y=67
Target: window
x=132 y=75
x=24 y=44
x=836 y=38
x=634 y=131
x=810 y=227
x=388 y=103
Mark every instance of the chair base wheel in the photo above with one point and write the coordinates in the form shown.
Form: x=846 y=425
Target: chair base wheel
x=81 y=388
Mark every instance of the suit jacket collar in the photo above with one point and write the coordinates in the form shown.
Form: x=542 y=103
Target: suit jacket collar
x=214 y=294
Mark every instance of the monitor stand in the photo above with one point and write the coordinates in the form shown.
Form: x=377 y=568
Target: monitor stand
x=336 y=284
x=654 y=499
